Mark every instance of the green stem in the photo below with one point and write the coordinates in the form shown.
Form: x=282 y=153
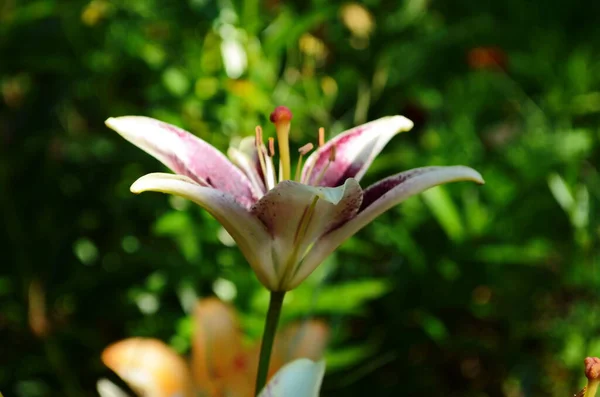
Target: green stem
x=591 y=389
x=268 y=338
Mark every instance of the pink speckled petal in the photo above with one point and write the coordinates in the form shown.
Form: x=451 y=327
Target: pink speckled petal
x=355 y=150
x=186 y=154
x=286 y=212
x=248 y=232
x=377 y=199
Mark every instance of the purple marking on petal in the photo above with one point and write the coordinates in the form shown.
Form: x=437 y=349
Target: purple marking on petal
x=378 y=189
x=248 y=147
x=340 y=169
x=355 y=151
x=377 y=199
x=186 y=154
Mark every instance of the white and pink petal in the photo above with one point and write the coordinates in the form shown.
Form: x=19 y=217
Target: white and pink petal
x=377 y=199
x=249 y=233
x=355 y=150
x=186 y=154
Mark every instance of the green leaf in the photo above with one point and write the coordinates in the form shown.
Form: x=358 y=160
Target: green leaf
x=445 y=212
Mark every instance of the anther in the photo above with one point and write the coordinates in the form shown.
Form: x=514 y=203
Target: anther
x=305 y=149
x=271 y=146
x=321 y=136
x=259 y=135
x=303 y=152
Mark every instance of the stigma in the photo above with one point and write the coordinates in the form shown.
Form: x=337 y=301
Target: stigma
x=282 y=117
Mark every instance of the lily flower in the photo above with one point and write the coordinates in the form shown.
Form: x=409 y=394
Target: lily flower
x=284 y=226
x=220 y=365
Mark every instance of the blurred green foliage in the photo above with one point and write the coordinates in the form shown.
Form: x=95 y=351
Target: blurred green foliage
x=465 y=291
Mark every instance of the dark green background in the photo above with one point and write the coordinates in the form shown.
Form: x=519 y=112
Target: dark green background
x=466 y=291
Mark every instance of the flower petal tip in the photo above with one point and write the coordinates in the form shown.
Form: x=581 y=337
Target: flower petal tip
x=139 y=186
x=113 y=123
x=476 y=177
x=156 y=182
x=465 y=173
x=135 y=188
x=402 y=123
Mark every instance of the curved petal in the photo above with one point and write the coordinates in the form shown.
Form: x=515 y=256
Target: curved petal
x=150 y=367
x=355 y=150
x=377 y=199
x=185 y=154
x=306 y=339
x=248 y=147
x=296 y=215
x=300 y=378
x=247 y=231
x=248 y=166
x=217 y=351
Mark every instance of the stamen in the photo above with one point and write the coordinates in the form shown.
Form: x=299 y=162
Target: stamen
x=259 y=135
x=303 y=151
x=332 y=153
x=321 y=143
x=259 y=152
x=269 y=158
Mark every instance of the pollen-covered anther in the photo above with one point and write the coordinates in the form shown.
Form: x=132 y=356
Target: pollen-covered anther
x=305 y=149
x=271 y=146
x=259 y=136
x=321 y=136
x=303 y=152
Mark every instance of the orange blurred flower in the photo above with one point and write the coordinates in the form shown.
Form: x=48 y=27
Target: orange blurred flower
x=487 y=58
x=220 y=364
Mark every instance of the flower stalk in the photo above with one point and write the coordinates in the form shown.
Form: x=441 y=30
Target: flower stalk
x=266 y=346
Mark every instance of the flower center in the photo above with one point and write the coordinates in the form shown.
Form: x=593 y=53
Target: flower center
x=282 y=117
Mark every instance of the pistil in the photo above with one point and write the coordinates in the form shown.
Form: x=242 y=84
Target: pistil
x=282 y=117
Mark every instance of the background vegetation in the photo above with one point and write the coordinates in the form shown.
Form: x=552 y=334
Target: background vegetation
x=464 y=291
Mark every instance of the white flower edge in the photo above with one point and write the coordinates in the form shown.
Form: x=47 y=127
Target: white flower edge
x=106 y=388
x=300 y=378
